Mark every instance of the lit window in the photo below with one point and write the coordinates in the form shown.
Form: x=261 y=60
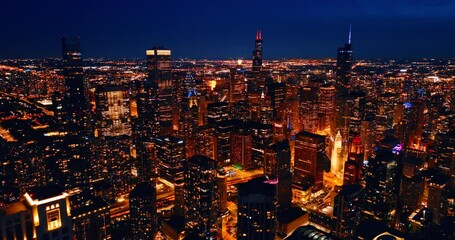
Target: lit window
x=53 y=219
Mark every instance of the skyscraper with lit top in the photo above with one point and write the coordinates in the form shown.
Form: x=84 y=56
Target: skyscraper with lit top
x=257 y=53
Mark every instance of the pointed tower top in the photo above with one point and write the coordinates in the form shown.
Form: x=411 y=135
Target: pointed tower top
x=258 y=35
x=350 y=31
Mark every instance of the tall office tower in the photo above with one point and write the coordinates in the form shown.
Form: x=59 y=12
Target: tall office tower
x=411 y=193
x=76 y=107
x=353 y=167
x=309 y=158
x=143 y=216
x=112 y=111
x=326 y=101
x=222 y=145
x=438 y=196
x=444 y=152
x=344 y=65
x=205 y=141
x=75 y=115
x=237 y=85
x=257 y=53
x=262 y=137
x=381 y=186
x=148 y=120
x=385 y=112
x=367 y=135
x=217 y=112
x=347 y=210
x=308 y=108
x=256 y=209
x=188 y=117
x=202 y=215
x=357 y=113
x=170 y=153
x=277 y=166
x=276 y=92
x=159 y=67
x=111 y=160
x=241 y=149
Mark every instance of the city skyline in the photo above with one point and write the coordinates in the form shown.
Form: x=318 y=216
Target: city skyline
x=294 y=29
x=172 y=148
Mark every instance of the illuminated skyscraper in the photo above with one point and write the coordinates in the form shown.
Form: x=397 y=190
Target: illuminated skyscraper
x=276 y=92
x=309 y=157
x=326 y=101
x=143 y=211
x=241 y=149
x=159 y=67
x=112 y=111
x=256 y=210
x=202 y=216
x=170 y=154
x=257 y=53
x=188 y=117
x=111 y=151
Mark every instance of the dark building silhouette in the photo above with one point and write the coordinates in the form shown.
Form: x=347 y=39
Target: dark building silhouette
x=143 y=211
x=347 y=210
x=257 y=209
x=202 y=216
x=277 y=167
x=344 y=64
x=74 y=117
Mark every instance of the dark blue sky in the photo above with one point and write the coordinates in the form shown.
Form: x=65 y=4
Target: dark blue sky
x=226 y=29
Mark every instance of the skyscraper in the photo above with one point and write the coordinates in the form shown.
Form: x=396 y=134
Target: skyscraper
x=75 y=115
x=143 y=211
x=202 y=216
x=277 y=167
x=309 y=157
x=188 y=117
x=347 y=209
x=256 y=210
x=159 y=67
x=257 y=53
x=344 y=64
x=241 y=149
x=381 y=186
x=170 y=152
x=112 y=111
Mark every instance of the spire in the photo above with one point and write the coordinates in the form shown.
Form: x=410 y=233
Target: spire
x=258 y=35
x=350 y=31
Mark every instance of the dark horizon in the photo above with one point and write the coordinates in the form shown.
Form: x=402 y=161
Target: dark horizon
x=388 y=29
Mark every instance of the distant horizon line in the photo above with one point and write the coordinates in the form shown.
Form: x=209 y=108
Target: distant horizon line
x=235 y=59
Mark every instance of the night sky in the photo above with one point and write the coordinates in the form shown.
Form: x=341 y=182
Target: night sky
x=226 y=29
